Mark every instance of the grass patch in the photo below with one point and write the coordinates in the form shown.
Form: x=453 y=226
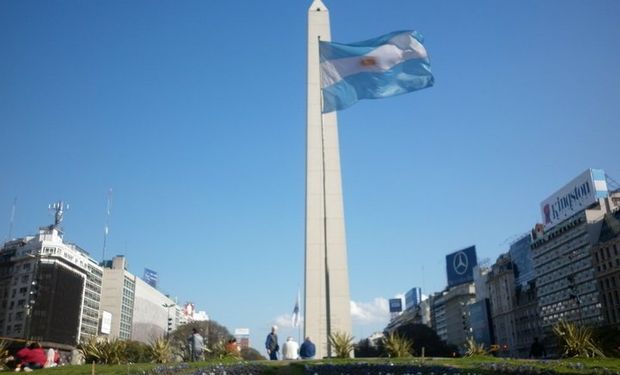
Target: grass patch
x=473 y=365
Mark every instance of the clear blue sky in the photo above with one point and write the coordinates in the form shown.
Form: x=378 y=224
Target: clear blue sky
x=193 y=112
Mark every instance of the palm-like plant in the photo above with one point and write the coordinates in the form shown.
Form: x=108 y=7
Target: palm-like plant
x=576 y=340
x=4 y=354
x=160 y=350
x=111 y=352
x=397 y=346
x=342 y=344
x=472 y=348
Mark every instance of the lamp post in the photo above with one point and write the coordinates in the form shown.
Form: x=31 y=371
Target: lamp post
x=32 y=295
x=169 y=321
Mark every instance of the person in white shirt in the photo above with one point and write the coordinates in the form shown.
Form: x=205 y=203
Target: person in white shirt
x=290 y=349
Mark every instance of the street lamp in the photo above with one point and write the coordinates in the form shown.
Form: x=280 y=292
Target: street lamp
x=32 y=295
x=169 y=329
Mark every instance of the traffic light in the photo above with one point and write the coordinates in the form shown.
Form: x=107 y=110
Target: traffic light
x=169 y=324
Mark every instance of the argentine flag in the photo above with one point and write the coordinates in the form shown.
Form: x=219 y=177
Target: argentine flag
x=392 y=64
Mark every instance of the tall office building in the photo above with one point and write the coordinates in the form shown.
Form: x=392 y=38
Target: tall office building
x=118 y=297
x=153 y=313
x=606 y=256
x=413 y=297
x=50 y=289
x=327 y=301
x=565 y=284
x=501 y=282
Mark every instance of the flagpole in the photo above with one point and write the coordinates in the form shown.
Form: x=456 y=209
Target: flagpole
x=327 y=294
x=299 y=315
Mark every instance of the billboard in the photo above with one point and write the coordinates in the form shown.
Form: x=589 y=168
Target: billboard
x=396 y=305
x=106 y=322
x=574 y=197
x=460 y=266
x=151 y=277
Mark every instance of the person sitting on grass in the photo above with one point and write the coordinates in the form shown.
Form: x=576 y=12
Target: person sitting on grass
x=32 y=359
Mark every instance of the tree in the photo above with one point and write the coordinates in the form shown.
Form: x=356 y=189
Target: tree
x=214 y=334
x=367 y=349
x=425 y=337
x=251 y=354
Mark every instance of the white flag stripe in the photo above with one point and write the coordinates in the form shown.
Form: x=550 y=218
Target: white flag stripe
x=399 y=49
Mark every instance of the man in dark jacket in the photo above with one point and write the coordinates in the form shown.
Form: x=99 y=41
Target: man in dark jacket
x=307 y=350
x=271 y=344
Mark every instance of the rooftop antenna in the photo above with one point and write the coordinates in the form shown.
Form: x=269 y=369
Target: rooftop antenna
x=106 y=228
x=12 y=220
x=59 y=209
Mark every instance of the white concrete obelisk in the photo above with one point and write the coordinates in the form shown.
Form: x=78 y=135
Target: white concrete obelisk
x=327 y=302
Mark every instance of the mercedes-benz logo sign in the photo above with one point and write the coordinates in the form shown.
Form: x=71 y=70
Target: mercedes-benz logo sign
x=460 y=263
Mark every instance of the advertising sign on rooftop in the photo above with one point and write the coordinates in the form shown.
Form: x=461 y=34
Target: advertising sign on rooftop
x=460 y=266
x=151 y=277
x=396 y=305
x=574 y=197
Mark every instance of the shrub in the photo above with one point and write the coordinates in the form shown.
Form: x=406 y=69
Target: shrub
x=342 y=344
x=5 y=356
x=397 y=346
x=160 y=350
x=472 y=348
x=111 y=352
x=575 y=340
x=137 y=352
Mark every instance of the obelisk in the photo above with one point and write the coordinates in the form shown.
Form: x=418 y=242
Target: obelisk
x=327 y=303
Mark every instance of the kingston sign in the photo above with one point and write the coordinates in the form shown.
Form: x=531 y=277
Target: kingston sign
x=574 y=197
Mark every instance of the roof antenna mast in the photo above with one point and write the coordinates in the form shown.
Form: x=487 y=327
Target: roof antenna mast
x=106 y=228
x=12 y=220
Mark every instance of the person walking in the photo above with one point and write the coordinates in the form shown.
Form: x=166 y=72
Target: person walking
x=537 y=350
x=308 y=349
x=196 y=344
x=271 y=344
x=290 y=349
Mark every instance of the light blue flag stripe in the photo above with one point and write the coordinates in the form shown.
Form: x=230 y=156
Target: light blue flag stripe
x=403 y=78
x=335 y=50
x=392 y=64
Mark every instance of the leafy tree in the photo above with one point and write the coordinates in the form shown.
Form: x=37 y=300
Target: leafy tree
x=367 y=349
x=214 y=334
x=425 y=337
x=251 y=354
x=136 y=352
x=609 y=339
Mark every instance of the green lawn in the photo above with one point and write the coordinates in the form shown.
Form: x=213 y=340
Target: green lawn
x=479 y=365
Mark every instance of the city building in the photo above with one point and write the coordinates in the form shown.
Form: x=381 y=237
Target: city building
x=153 y=313
x=606 y=264
x=413 y=297
x=566 y=286
x=525 y=305
x=450 y=313
x=49 y=289
x=501 y=283
x=417 y=314
x=118 y=297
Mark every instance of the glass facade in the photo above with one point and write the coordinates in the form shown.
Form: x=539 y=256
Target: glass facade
x=413 y=298
x=521 y=256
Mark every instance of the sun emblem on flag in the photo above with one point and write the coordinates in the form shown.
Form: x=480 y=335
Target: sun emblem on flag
x=368 y=61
